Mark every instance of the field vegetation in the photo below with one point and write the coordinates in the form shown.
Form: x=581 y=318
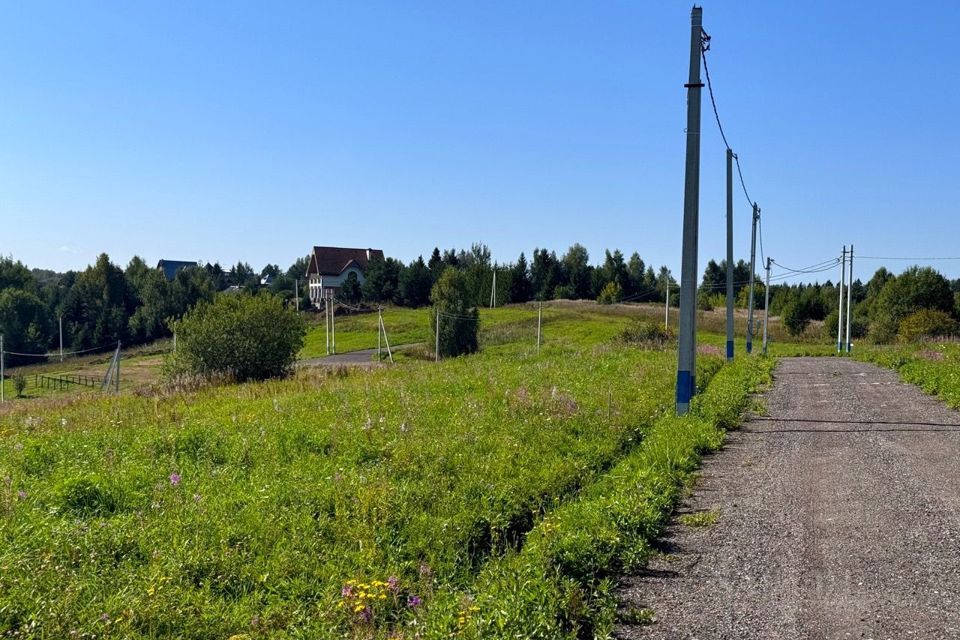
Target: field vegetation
x=493 y=494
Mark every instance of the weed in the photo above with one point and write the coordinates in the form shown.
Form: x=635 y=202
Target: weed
x=699 y=519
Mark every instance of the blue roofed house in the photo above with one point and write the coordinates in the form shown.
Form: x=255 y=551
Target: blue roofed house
x=170 y=267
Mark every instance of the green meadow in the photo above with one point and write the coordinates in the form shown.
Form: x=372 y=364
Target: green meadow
x=493 y=495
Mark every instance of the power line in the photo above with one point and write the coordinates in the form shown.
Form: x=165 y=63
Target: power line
x=902 y=258
x=826 y=265
x=716 y=114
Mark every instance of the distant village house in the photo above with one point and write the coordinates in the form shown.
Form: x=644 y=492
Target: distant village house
x=330 y=267
x=170 y=267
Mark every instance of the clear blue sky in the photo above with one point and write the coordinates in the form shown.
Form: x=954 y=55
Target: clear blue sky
x=254 y=130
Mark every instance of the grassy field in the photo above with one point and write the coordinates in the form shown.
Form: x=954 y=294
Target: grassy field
x=933 y=366
x=486 y=494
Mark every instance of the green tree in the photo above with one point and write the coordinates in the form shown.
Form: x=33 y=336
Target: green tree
x=795 y=317
x=459 y=319
x=97 y=309
x=576 y=263
x=611 y=293
x=244 y=336
x=15 y=275
x=415 y=284
x=350 y=290
x=25 y=324
x=915 y=289
x=520 y=287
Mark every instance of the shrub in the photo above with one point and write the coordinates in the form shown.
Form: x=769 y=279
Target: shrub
x=611 y=293
x=459 y=321
x=795 y=318
x=926 y=323
x=19 y=384
x=646 y=333
x=242 y=336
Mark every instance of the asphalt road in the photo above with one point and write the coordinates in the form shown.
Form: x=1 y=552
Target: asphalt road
x=839 y=517
x=362 y=357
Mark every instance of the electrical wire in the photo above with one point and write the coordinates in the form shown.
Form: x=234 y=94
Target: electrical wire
x=903 y=258
x=716 y=114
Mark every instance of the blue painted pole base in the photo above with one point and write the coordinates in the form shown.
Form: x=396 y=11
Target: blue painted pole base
x=685 y=389
x=729 y=349
x=749 y=347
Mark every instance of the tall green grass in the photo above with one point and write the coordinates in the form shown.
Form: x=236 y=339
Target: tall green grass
x=417 y=500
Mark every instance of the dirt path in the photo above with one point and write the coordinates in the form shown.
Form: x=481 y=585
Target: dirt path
x=839 y=517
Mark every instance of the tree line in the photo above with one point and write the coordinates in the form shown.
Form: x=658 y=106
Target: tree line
x=105 y=303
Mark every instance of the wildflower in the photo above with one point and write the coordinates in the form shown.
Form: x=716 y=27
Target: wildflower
x=18 y=446
x=105 y=617
x=174 y=479
x=63 y=422
x=196 y=497
x=255 y=621
x=366 y=614
x=347 y=591
x=22 y=494
x=414 y=601
x=393 y=584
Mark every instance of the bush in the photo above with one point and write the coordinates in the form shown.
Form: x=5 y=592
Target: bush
x=926 y=323
x=611 y=293
x=19 y=384
x=646 y=333
x=795 y=318
x=242 y=336
x=459 y=321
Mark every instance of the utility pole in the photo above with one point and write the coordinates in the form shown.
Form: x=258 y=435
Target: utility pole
x=729 y=253
x=850 y=301
x=666 y=309
x=843 y=277
x=379 y=330
x=326 y=321
x=296 y=293
x=493 y=289
x=687 y=351
x=753 y=267
x=539 y=323
x=436 y=353
x=117 y=381
x=333 y=325
x=766 y=305
x=60 y=319
x=3 y=373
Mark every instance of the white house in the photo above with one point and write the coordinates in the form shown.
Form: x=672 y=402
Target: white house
x=330 y=267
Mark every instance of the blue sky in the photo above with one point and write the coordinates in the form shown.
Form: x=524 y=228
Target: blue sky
x=254 y=130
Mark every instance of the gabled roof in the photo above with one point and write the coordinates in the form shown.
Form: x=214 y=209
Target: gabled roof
x=170 y=267
x=332 y=261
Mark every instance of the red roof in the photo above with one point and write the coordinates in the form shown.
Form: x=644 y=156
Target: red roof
x=332 y=261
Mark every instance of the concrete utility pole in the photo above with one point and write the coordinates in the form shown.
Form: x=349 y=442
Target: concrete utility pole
x=729 y=253
x=843 y=278
x=3 y=374
x=666 y=309
x=850 y=301
x=60 y=320
x=753 y=267
x=326 y=321
x=493 y=289
x=436 y=353
x=687 y=351
x=379 y=330
x=766 y=305
x=296 y=293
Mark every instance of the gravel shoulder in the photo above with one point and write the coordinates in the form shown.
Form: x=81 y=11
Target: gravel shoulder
x=838 y=517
